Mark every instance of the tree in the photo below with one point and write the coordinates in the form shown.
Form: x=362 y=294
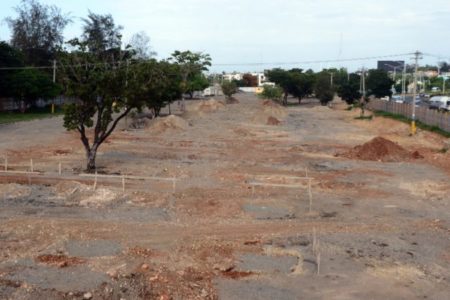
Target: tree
x=249 y=80
x=293 y=82
x=349 y=91
x=379 y=84
x=140 y=43
x=229 y=88
x=283 y=79
x=37 y=31
x=190 y=64
x=99 y=85
x=196 y=82
x=274 y=93
x=302 y=84
x=10 y=57
x=323 y=89
x=100 y=33
x=444 y=66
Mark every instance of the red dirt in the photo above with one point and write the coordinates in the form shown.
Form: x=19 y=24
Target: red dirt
x=381 y=149
x=273 y=121
x=61 y=261
x=236 y=274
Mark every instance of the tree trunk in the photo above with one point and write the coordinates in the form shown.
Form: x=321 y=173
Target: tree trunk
x=91 y=156
x=285 y=102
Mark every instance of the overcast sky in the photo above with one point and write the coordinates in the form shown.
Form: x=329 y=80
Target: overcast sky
x=266 y=31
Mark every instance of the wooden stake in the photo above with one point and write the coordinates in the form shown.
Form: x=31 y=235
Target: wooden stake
x=318 y=263
x=95 y=181
x=314 y=241
x=31 y=165
x=310 y=195
x=174 y=185
x=6 y=163
x=306 y=172
x=123 y=184
x=59 y=168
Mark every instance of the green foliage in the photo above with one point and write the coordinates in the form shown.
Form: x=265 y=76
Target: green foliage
x=369 y=118
x=293 y=82
x=349 y=90
x=107 y=86
x=9 y=57
x=100 y=33
x=29 y=85
x=229 y=88
x=191 y=66
x=379 y=84
x=323 y=89
x=32 y=114
x=37 y=31
x=196 y=82
x=274 y=93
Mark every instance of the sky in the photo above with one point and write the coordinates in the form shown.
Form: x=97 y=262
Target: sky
x=238 y=33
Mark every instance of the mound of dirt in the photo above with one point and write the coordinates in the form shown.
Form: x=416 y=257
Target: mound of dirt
x=171 y=122
x=270 y=113
x=210 y=105
x=273 y=121
x=232 y=100
x=274 y=109
x=381 y=149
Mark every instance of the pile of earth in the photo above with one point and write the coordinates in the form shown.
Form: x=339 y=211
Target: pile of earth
x=210 y=105
x=270 y=113
x=273 y=121
x=171 y=122
x=274 y=109
x=381 y=149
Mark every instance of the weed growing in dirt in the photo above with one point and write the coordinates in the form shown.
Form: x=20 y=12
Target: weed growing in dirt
x=369 y=118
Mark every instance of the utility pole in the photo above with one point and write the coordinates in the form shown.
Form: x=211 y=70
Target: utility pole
x=331 y=79
x=363 y=92
x=54 y=81
x=404 y=82
x=417 y=56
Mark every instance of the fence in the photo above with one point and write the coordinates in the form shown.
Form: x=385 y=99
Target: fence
x=425 y=115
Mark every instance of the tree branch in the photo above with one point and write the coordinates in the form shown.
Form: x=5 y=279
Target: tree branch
x=116 y=121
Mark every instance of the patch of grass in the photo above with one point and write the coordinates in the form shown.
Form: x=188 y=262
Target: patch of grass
x=29 y=115
x=407 y=120
x=369 y=118
x=443 y=150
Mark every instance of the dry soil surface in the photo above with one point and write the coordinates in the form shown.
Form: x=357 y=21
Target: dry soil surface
x=238 y=222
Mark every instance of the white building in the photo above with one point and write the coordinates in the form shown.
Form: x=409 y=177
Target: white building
x=239 y=76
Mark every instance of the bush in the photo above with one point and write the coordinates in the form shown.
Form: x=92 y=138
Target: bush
x=229 y=88
x=274 y=93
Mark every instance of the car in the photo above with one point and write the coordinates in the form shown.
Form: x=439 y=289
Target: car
x=397 y=99
x=440 y=103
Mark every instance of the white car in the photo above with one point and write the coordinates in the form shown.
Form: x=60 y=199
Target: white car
x=440 y=103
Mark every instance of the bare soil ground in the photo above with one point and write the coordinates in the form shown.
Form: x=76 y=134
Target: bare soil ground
x=376 y=230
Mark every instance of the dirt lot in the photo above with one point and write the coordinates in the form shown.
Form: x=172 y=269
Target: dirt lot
x=376 y=229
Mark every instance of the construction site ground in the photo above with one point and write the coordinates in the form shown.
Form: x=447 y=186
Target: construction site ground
x=237 y=223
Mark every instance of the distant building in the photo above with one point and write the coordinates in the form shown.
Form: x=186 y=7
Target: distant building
x=239 y=76
x=391 y=65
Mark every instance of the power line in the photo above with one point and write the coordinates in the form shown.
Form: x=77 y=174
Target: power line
x=236 y=64
x=314 y=61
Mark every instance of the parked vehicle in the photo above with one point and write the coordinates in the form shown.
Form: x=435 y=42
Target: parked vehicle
x=397 y=99
x=440 y=103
